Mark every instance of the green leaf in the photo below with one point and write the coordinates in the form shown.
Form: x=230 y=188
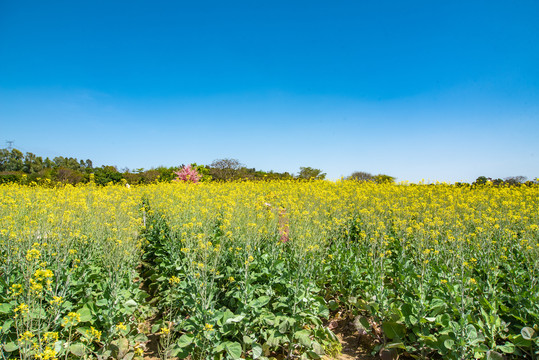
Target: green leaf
x=176 y=351
x=506 y=348
x=493 y=355
x=101 y=302
x=398 y=345
x=303 y=337
x=123 y=347
x=257 y=351
x=233 y=349
x=37 y=313
x=471 y=332
x=10 y=346
x=130 y=303
x=261 y=301
x=5 y=308
x=85 y=314
x=520 y=341
x=449 y=344
x=527 y=333
x=234 y=319
x=317 y=348
x=185 y=340
x=6 y=327
x=311 y=354
x=77 y=349
x=393 y=330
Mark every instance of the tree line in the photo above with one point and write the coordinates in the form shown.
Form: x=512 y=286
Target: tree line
x=27 y=168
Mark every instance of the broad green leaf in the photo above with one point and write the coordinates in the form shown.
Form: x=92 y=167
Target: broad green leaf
x=85 y=314
x=493 y=355
x=6 y=326
x=233 y=349
x=5 y=308
x=471 y=332
x=178 y=352
x=257 y=351
x=303 y=337
x=101 y=302
x=449 y=344
x=506 y=348
x=393 y=330
x=520 y=341
x=527 y=333
x=77 y=349
x=185 y=340
x=130 y=303
x=261 y=301
x=317 y=348
x=123 y=347
x=235 y=319
x=10 y=346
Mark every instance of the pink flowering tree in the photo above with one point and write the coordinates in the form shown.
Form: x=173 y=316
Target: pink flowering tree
x=187 y=173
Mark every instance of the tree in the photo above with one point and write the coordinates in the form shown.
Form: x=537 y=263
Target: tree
x=309 y=173
x=32 y=163
x=481 y=180
x=515 y=180
x=384 y=179
x=361 y=176
x=224 y=169
x=14 y=161
x=106 y=174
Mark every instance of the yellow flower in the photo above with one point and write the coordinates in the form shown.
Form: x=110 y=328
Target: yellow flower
x=27 y=335
x=50 y=337
x=56 y=300
x=94 y=333
x=71 y=319
x=208 y=327
x=121 y=326
x=33 y=254
x=16 y=290
x=22 y=308
x=47 y=354
x=139 y=351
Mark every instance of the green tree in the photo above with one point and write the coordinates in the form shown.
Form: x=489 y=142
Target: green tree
x=309 y=173
x=15 y=161
x=384 y=179
x=32 y=163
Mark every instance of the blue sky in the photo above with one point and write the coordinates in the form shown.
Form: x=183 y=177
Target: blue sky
x=435 y=90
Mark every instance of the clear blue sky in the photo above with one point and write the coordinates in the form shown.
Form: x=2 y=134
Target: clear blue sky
x=440 y=90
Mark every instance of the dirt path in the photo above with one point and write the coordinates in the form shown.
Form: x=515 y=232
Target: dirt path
x=354 y=346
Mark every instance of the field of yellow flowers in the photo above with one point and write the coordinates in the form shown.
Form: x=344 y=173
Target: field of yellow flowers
x=256 y=270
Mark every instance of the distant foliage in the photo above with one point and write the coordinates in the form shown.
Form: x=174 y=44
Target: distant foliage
x=309 y=173
x=361 y=176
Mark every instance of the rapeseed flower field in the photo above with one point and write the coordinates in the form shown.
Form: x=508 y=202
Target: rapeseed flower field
x=258 y=269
